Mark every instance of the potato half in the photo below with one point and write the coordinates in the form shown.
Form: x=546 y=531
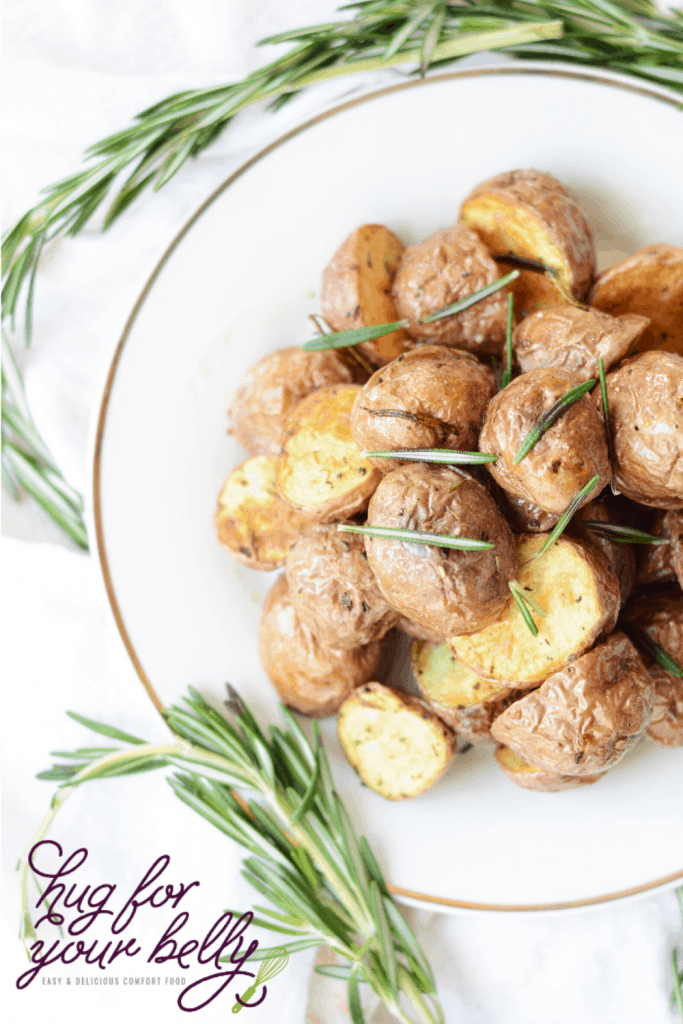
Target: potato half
x=463 y=700
x=660 y=616
x=621 y=557
x=356 y=289
x=396 y=744
x=528 y=777
x=252 y=520
x=320 y=471
x=579 y=593
x=585 y=717
x=531 y=214
x=648 y=282
x=657 y=562
x=310 y=678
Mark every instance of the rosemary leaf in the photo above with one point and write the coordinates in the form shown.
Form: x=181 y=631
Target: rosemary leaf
x=507 y=372
x=622 y=534
x=608 y=425
x=534 y=605
x=471 y=300
x=447 y=456
x=551 y=416
x=355 y=1009
x=105 y=730
x=342 y=971
x=642 y=640
x=356 y=336
x=416 y=537
x=566 y=516
x=524 y=612
x=522 y=263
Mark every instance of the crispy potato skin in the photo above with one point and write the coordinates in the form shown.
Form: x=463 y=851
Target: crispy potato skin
x=333 y=590
x=567 y=456
x=574 y=339
x=251 y=519
x=395 y=743
x=523 y=516
x=269 y=392
x=645 y=399
x=356 y=290
x=310 y=678
x=573 y=583
x=621 y=558
x=319 y=458
x=525 y=775
x=531 y=214
x=584 y=718
x=444 y=590
x=427 y=398
x=648 y=282
x=660 y=616
x=445 y=268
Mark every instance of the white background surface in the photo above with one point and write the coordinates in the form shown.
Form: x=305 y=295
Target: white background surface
x=74 y=71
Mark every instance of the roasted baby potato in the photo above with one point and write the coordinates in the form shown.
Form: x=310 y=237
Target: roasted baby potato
x=657 y=561
x=645 y=399
x=412 y=629
x=445 y=590
x=427 y=398
x=320 y=471
x=356 y=289
x=622 y=560
x=575 y=587
x=523 y=516
x=531 y=214
x=333 y=590
x=648 y=282
x=566 y=457
x=585 y=717
x=310 y=678
x=396 y=744
x=251 y=518
x=445 y=268
x=272 y=388
x=574 y=338
x=660 y=616
x=463 y=700
x=529 y=777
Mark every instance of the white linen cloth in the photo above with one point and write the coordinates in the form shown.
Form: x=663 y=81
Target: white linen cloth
x=75 y=71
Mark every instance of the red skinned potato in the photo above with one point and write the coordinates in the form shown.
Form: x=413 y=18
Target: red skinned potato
x=648 y=282
x=333 y=590
x=575 y=339
x=621 y=558
x=660 y=616
x=584 y=718
x=528 y=777
x=531 y=214
x=427 y=398
x=310 y=678
x=444 y=269
x=272 y=388
x=567 y=456
x=645 y=399
x=444 y=590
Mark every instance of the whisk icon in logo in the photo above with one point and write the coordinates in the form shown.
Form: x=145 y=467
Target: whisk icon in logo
x=275 y=962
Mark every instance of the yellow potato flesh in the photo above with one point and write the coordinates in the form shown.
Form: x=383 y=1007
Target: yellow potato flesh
x=321 y=460
x=513 y=763
x=446 y=681
x=562 y=583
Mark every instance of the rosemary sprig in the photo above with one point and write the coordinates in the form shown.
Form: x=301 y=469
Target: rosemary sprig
x=520 y=601
x=551 y=416
x=622 y=534
x=416 y=537
x=605 y=413
x=322 y=880
x=470 y=300
x=564 y=520
x=507 y=372
x=642 y=640
x=522 y=263
x=445 y=456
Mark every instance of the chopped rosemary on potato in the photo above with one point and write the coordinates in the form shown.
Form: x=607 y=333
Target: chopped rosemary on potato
x=416 y=537
x=523 y=263
x=566 y=516
x=507 y=372
x=623 y=534
x=551 y=416
x=470 y=300
x=523 y=610
x=442 y=455
x=534 y=605
x=608 y=426
x=642 y=640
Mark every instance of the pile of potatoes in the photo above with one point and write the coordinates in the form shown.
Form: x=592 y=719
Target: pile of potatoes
x=562 y=706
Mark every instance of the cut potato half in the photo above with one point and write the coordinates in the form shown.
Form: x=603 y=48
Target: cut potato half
x=396 y=744
x=251 y=518
x=529 y=777
x=579 y=594
x=531 y=214
x=321 y=471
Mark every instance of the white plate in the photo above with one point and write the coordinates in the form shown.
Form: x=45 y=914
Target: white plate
x=241 y=281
